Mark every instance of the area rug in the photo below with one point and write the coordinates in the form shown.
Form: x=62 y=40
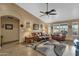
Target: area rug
x=52 y=49
x=49 y=48
x=59 y=49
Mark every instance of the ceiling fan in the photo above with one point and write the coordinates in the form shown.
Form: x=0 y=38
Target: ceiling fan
x=48 y=12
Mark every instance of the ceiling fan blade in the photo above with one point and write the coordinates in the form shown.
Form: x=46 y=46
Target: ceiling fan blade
x=41 y=15
x=53 y=14
x=53 y=10
x=42 y=12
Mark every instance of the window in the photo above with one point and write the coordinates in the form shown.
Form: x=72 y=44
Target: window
x=64 y=27
x=56 y=28
x=75 y=29
x=60 y=28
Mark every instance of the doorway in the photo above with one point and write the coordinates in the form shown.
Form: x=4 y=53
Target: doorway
x=9 y=29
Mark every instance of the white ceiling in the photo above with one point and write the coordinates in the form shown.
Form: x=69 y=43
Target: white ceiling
x=65 y=11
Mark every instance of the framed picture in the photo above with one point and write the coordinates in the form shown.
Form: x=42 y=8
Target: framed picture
x=9 y=26
x=27 y=24
x=35 y=26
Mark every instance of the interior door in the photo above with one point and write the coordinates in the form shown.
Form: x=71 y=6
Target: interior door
x=10 y=29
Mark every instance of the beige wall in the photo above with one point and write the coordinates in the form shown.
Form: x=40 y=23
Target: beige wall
x=69 y=22
x=22 y=15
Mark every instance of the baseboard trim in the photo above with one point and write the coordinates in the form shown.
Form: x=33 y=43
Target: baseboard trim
x=9 y=42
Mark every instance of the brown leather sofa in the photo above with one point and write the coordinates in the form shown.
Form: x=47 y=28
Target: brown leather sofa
x=38 y=36
x=59 y=37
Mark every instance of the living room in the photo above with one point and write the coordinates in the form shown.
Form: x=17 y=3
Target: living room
x=42 y=27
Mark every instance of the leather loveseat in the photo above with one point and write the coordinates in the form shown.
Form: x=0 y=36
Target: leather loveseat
x=59 y=37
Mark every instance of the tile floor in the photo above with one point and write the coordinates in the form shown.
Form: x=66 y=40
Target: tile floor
x=18 y=50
